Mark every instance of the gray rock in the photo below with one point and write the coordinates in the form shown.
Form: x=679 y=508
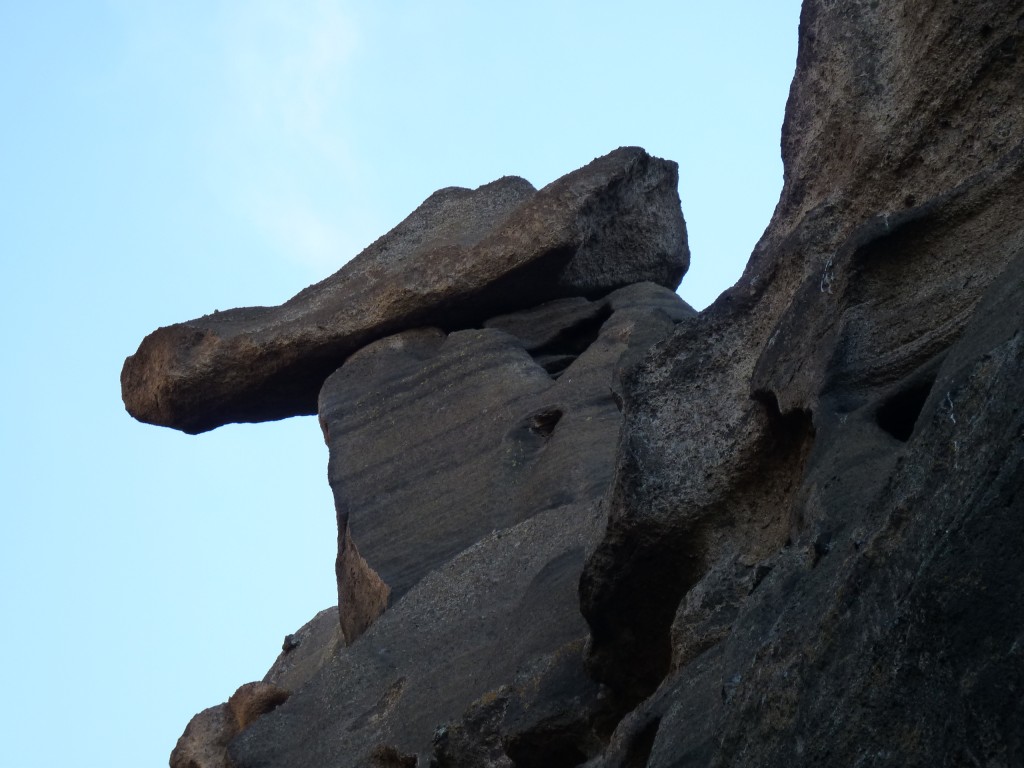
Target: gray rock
x=306 y=651
x=805 y=549
x=436 y=441
x=819 y=482
x=549 y=715
x=461 y=256
x=483 y=620
x=478 y=519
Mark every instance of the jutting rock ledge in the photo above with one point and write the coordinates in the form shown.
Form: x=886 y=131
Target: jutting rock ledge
x=581 y=524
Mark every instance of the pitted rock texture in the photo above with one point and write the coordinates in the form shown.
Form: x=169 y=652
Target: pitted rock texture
x=460 y=257
x=819 y=483
x=305 y=651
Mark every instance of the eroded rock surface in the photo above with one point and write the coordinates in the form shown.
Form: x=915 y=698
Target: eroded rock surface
x=820 y=476
x=462 y=256
x=489 y=617
x=204 y=743
x=470 y=461
x=436 y=441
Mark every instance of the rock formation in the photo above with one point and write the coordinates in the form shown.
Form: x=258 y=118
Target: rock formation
x=461 y=257
x=581 y=524
x=471 y=452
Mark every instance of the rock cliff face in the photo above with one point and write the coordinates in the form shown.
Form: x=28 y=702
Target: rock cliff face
x=581 y=524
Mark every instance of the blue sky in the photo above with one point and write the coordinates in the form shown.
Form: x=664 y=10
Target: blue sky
x=161 y=160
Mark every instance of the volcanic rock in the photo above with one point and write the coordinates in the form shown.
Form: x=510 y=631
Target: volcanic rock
x=824 y=576
x=461 y=256
x=306 y=651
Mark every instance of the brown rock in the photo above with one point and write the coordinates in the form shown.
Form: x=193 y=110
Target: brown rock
x=206 y=737
x=205 y=740
x=253 y=700
x=461 y=256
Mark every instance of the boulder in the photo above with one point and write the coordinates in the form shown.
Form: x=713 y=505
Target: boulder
x=460 y=257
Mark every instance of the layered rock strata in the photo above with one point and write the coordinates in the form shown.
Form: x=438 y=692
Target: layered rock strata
x=437 y=440
x=464 y=583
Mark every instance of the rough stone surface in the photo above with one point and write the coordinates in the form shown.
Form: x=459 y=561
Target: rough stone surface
x=205 y=740
x=305 y=651
x=461 y=256
x=808 y=559
x=204 y=744
x=435 y=440
x=481 y=621
x=253 y=700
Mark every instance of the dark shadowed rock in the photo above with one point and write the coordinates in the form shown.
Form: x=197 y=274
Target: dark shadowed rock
x=820 y=479
x=435 y=440
x=548 y=716
x=460 y=257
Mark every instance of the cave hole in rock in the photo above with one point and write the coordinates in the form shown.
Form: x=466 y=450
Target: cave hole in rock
x=544 y=422
x=898 y=414
x=790 y=430
x=640 y=747
x=547 y=748
x=630 y=615
x=776 y=476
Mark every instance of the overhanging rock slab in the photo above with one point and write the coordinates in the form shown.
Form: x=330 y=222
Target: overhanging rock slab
x=460 y=257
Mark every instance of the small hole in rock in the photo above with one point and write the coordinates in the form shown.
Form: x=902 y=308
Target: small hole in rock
x=899 y=413
x=543 y=423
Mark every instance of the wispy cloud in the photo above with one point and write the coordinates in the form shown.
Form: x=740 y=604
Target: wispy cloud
x=282 y=127
x=300 y=228
x=286 y=67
